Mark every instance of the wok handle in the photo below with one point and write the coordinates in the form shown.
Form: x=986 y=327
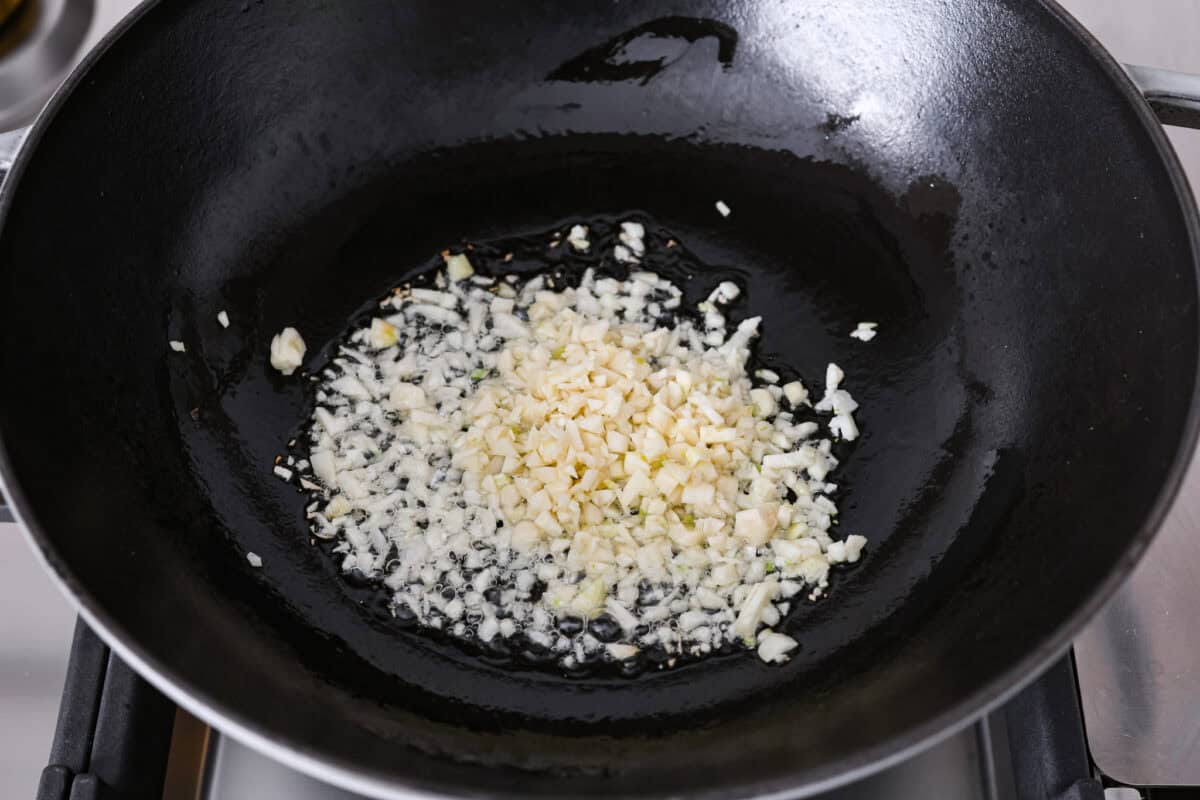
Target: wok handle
x=1174 y=96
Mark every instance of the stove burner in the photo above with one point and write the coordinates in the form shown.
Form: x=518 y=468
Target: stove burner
x=39 y=43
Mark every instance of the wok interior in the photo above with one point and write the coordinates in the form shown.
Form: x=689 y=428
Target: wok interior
x=1022 y=405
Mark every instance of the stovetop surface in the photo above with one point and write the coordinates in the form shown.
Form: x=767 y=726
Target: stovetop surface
x=955 y=769
x=1138 y=663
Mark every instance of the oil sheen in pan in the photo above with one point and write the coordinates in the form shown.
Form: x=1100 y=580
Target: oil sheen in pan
x=546 y=253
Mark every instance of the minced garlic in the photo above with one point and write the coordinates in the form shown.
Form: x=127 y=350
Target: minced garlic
x=508 y=457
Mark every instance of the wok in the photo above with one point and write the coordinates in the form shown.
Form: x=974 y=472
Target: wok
x=979 y=177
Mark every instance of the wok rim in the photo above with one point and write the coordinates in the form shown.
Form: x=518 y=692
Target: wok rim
x=256 y=734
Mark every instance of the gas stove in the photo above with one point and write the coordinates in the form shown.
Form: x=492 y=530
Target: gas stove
x=117 y=732
x=1115 y=718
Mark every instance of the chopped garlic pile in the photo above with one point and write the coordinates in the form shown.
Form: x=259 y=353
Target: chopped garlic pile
x=580 y=471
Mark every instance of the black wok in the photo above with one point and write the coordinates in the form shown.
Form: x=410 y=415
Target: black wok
x=979 y=177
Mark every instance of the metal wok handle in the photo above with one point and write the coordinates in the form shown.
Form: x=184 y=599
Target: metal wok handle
x=1174 y=96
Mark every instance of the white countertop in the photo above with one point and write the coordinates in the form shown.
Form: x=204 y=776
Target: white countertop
x=35 y=637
